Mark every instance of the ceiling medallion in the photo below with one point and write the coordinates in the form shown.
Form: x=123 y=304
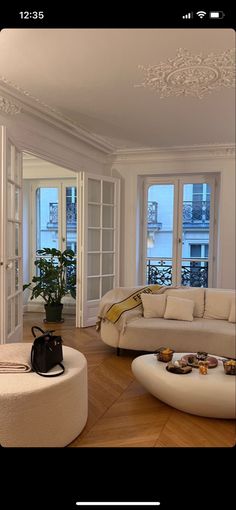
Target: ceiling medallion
x=190 y=75
x=7 y=106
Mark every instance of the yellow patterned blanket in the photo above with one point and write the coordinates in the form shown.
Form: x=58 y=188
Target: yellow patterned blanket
x=124 y=304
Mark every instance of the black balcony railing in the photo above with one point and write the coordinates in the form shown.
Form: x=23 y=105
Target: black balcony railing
x=70 y=214
x=196 y=211
x=193 y=275
x=152 y=212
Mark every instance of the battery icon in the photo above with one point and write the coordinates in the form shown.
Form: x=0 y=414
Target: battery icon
x=217 y=14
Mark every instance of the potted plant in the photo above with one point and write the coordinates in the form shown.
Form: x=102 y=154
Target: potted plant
x=55 y=277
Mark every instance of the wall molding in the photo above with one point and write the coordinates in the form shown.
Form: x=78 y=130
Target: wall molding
x=29 y=104
x=193 y=152
x=9 y=107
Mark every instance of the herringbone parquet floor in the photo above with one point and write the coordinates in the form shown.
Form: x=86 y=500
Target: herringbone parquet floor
x=121 y=412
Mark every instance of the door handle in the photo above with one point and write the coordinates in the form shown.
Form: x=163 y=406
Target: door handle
x=179 y=240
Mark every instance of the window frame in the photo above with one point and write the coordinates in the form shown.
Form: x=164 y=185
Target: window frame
x=178 y=181
x=61 y=184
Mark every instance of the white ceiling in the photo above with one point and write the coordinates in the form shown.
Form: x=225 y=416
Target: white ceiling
x=89 y=75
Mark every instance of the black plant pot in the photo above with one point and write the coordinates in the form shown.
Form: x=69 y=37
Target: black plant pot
x=53 y=312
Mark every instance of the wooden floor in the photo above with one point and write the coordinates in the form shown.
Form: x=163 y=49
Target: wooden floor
x=121 y=412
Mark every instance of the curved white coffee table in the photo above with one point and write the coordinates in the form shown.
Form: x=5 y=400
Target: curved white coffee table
x=212 y=395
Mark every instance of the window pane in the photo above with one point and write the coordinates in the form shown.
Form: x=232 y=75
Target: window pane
x=47 y=218
x=94 y=191
x=93 y=264
x=9 y=316
x=93 y=215
x=9 y=281
x=10 y=243
x=160 y=220
x=108 y=193
x=107 y=263
x=93 y=289
x=107 y=216
x=16 y=311
x=159 y=272
x=93 y=240
x=17 y=203
x=17 y=238
x=107 y=240
x=71 y=218
x=107 y=284
x=16 y=274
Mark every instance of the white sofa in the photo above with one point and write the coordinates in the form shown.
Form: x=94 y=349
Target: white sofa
x=210 y=330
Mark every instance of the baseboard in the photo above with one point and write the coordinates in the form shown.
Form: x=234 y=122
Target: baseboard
x=68 y=308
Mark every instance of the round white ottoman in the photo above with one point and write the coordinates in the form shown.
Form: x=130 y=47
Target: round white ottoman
x=212 y=395
x=44 y=412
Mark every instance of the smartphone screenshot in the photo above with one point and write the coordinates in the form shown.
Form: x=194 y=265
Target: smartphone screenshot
x=117 y=253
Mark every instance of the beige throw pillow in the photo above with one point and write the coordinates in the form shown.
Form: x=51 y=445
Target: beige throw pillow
x=179 y=309
x=232 y=312
x=196 y=294
x=153 y=306
x=218 y=303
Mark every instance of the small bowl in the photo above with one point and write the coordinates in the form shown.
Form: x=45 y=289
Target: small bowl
x=230 y=367
x=165 y=354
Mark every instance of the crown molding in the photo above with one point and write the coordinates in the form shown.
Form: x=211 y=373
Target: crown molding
x=28 y=104
x=196 y=152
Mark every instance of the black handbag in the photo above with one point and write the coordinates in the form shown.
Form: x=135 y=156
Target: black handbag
x=46 y=352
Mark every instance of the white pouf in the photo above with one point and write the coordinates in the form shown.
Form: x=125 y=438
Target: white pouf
x=42 y=411
x=212 y=395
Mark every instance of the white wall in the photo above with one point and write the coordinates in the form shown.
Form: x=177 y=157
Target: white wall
x=133 y=167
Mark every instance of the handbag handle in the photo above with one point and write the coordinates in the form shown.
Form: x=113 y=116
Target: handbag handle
x=41 y=331
x=52 y=375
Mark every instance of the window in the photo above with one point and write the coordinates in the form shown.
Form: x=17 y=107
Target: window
x=179 y=231
x=54 y=216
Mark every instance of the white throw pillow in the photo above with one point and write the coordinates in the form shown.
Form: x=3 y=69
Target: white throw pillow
x=218 y=304
x=232 y=314
x=196 y=294
x=179 y=309
x=153 y=306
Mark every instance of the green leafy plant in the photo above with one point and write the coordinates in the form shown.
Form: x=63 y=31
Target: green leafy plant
x=55 y=275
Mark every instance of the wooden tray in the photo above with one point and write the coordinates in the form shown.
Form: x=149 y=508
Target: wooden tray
x=213 y=362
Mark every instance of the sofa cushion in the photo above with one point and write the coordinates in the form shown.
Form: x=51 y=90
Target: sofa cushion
x=179 y=309
x=153 y=306
x=218 y=303
x=232 y=311
x=196 y=294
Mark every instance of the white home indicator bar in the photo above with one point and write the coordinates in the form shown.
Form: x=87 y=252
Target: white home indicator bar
x=118 y=503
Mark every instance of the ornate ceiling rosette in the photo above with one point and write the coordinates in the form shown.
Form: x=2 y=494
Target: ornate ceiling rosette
x=190 y=75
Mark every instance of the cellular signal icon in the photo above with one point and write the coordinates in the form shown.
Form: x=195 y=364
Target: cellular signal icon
x=188 y=16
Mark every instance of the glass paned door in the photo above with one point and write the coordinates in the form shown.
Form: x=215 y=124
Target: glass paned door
x=179 y=232
x=159 y=241
x=195 y=234
x=98 y=272
x=11 y=311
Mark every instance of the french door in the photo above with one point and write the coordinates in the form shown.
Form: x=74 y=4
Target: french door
x=98 y=241
x=178 y=238
x=11 y=311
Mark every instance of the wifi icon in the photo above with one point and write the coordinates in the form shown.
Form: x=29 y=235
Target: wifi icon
x=201 y=14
